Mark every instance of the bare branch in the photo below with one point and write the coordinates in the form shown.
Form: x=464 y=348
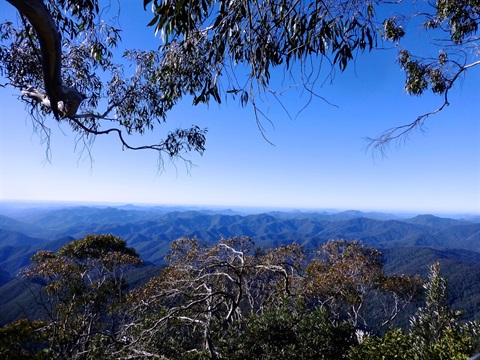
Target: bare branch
x=401 y=133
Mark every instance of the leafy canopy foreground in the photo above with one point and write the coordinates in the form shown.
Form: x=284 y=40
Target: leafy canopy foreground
x=232 y=300
x=62 y=56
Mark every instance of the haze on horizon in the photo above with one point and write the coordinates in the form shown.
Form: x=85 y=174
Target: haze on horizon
x=9 y=207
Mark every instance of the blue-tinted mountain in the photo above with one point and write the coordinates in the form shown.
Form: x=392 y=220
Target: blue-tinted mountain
x=151 y=231
x=12 y=237
x=14 y=257
x=332 y=216
x=435 y=221
x=409 y=245
x=9 y=224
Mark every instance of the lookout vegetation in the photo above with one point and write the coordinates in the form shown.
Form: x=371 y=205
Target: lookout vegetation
x=233 y=300
x=66 y=60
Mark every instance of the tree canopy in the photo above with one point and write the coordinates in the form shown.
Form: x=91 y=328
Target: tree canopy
x=62 y=56
x=233 y=300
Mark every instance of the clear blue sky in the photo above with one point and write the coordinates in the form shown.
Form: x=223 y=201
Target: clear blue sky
x=318 y=161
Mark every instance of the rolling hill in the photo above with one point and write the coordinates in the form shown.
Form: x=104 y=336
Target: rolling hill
x=409 y=245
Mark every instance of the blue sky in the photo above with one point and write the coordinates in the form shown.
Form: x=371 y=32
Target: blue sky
x=319 y=159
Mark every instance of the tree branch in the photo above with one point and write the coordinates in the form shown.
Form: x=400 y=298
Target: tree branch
x=64 y=101
x=401 y=132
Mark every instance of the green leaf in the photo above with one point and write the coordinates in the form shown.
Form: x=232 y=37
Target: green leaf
x=145 y=3
x=154 y=20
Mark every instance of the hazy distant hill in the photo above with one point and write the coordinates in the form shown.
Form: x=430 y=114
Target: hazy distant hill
x=13 y=256
x=9 y=224
x=343 y=215
x=150 y=231
x=15 y=237
x=435 y=221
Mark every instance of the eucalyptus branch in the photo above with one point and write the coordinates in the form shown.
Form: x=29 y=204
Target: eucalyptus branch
x=400 y=133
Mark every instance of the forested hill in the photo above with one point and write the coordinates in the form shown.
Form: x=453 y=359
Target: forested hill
x=409 y=245
x=150 y=230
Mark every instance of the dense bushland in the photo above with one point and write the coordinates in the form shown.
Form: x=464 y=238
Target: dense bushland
x=232 y=300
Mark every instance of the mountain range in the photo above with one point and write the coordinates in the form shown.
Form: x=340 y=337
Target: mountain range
x=409 y=244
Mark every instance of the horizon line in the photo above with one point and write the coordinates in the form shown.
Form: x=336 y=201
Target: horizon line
x=257 y=208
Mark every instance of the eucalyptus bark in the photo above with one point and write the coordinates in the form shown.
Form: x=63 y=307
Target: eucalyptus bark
x=64 y=101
